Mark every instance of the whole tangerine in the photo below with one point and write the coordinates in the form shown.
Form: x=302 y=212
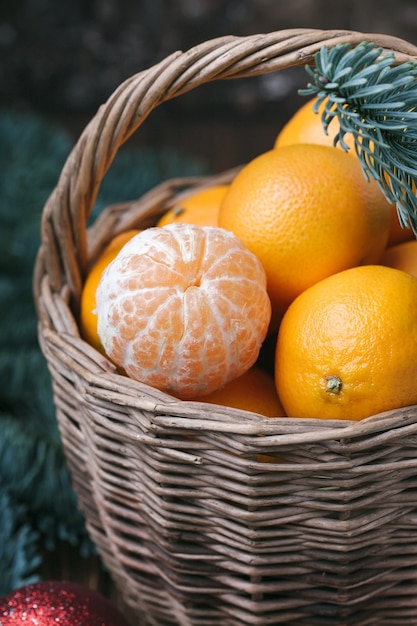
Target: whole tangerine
x=201 y=207
x=307 y=211
x=398 y=233
x=402 y=256
x=253 y=391
x=88 y=317
x=347 y=346
x=305 y=126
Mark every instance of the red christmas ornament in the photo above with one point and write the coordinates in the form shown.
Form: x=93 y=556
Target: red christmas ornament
x=58 y=603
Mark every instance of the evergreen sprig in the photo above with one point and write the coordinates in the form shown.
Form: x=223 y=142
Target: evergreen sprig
x=375 y=99
x=19 y=555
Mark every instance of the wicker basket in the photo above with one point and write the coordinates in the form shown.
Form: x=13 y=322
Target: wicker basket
x=192 y=534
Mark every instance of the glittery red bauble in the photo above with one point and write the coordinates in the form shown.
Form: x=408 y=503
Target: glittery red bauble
x=58 y=603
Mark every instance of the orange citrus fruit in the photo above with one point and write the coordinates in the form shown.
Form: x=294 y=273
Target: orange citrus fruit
x=201 y=208
x=347 y=346
x=305 y=126
x=402 y=256
x=88 y=317
x=307 y=212
x=253 y=391
x=397 y=233
x=183 y=308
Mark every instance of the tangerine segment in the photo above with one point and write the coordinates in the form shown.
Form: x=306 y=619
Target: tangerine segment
x=183 y=308
x=347 y=346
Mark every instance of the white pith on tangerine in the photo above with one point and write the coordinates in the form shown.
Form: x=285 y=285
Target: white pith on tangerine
x=183 y=308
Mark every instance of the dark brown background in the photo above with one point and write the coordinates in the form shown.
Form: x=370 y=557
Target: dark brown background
x=62 y=58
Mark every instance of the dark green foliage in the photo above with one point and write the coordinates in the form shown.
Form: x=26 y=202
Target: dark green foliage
x=37 y=505
x=19 y=555
x=374 y=99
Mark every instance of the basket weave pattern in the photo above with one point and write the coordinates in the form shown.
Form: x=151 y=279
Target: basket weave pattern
x=194 y=528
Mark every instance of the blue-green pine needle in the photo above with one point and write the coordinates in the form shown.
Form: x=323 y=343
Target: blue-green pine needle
x=375 y=99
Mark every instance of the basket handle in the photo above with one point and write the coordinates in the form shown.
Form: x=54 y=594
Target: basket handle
x=63 y=252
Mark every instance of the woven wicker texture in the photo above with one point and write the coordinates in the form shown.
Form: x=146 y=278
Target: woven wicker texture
x=193 y=527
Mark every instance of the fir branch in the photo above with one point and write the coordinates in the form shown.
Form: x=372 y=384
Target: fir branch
x=376 y=100
x=34 y=473
x=27 y=394
x=19 y=553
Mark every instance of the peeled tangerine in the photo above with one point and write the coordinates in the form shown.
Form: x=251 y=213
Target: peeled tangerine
x=183 y=308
